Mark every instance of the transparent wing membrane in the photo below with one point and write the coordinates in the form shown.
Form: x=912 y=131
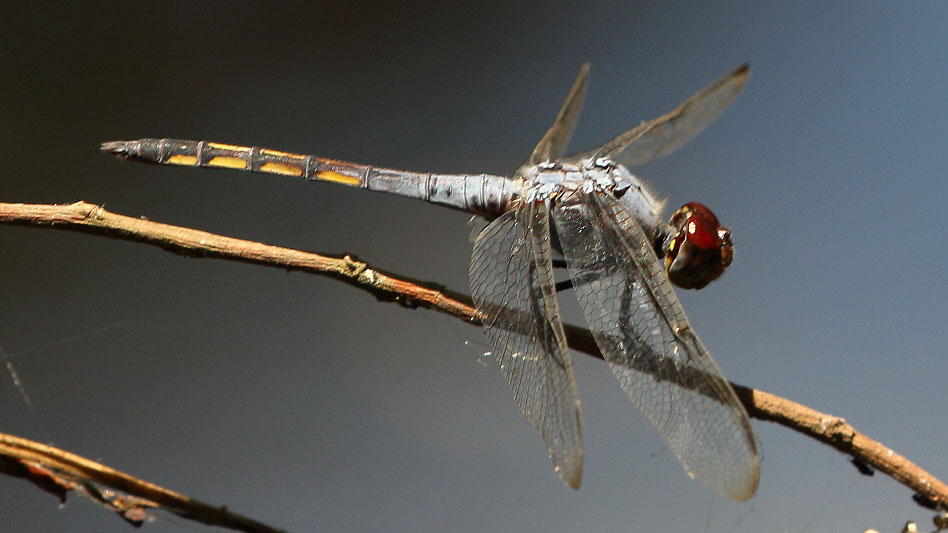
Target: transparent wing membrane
x=512 y=286
x=663 y=135
x=642 y=331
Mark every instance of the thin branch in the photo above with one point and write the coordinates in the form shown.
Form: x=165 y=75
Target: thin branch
x=81 y=216
x=90 y=218
x=59 y=472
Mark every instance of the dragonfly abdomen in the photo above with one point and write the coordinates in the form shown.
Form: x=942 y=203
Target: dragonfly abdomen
x=480 y=194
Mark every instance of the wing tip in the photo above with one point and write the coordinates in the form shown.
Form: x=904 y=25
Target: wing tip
x=569 y=466
x=571 y=471
x=746 y=492
x=741 y=73
x=746 y=486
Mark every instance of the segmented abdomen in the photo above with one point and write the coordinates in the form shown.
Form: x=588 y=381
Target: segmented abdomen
x=480 y=194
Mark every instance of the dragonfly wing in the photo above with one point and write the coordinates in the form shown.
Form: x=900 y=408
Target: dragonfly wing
x=476 y=225
x=663 y=135
x=643 y=333
x=512 y=286
x=553 y=144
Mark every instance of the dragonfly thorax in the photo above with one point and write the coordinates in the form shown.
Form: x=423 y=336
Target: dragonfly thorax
x=551 y=180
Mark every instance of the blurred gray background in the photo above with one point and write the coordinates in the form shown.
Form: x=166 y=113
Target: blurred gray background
x=305 y=403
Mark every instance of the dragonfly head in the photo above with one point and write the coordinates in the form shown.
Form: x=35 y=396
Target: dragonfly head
x=700 y=250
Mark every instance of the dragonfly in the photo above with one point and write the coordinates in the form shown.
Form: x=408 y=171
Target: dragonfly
x=590 y=212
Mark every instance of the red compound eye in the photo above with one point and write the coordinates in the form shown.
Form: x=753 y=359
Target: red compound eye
x=701 y=232
x=700 y=250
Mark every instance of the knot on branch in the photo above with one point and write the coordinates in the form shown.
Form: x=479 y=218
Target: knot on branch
x=88 y=211
x=837 y=428
x=356 y=268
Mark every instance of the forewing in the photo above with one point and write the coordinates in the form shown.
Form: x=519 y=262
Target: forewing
x=643 y=333
x=553 y=144
x=512 y=286
x=663 y=135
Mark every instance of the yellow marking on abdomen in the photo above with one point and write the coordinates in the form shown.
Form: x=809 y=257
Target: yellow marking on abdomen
x=331 y=175
x=227 y=162
x=268 y=151
x=282 y=168
x=180 y=159
x=229 y=147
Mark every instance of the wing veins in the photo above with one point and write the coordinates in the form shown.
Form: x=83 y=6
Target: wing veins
x=666 y=373
x=665 y=134
x=512 y=286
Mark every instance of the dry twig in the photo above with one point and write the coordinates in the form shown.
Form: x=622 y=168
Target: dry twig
x=59 y=472
x=81 y=216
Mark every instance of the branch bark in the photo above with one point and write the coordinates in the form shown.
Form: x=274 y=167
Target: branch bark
x=59 y=472
x=81 y=216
